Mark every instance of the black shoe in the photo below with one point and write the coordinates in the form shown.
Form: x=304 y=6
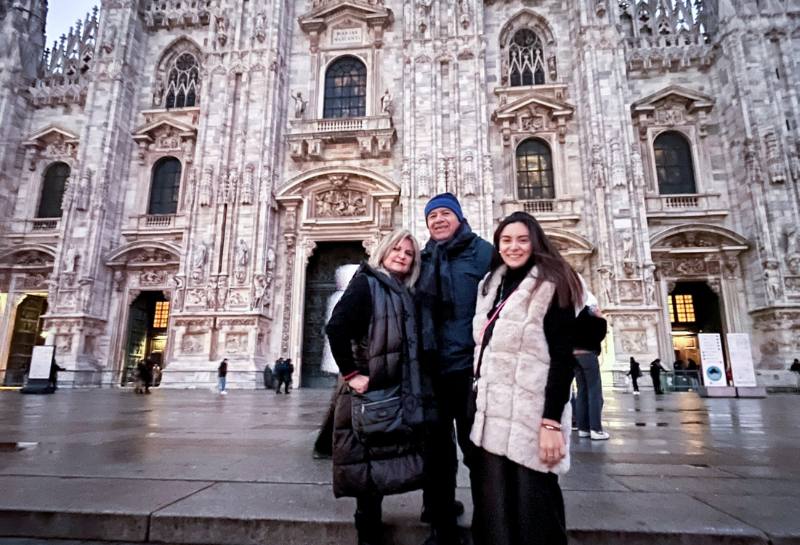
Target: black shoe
x=278 y=392
x=458 y=510
x=317 y=455
x=438 y=537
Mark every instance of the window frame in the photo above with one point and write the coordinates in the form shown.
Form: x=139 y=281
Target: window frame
x=692 y=160
x=43 y=186
x=542 y=65
x=324 y=78
x=157 y=164
x=553 y=170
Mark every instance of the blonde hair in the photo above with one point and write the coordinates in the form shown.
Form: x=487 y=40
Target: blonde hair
x=385 y=246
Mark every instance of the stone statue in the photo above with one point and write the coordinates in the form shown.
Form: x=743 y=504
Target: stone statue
x=200 y=255
x=242 y=253
x=387 y=103
x=299 y=105
x=70 y=260
x=791 y=234
x=344 y=274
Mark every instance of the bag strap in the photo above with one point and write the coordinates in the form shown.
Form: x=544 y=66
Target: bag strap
x=491 y=319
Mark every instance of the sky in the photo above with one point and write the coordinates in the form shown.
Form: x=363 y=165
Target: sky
x=62 y=14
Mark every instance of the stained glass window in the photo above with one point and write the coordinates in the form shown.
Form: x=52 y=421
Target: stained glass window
x=525 y=59
x=55 y=182
x=673 y=159
x=534 y=171
x=345 y=89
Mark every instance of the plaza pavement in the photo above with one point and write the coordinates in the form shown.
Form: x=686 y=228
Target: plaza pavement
x=193 y=467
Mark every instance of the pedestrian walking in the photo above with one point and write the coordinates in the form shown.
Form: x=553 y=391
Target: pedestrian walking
x=525 y=320
x=283 y=371
x=222 y=376
x=635 y=373
x=655 y=375
x=53 y=377
x=590 y=330
x=267 y=377
x=795 y=366
x=453 y=262
x=380 y=409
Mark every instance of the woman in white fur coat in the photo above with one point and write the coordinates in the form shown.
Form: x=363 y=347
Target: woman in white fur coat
x=524 y=321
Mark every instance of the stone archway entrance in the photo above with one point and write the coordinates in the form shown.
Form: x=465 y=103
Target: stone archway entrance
x=700 y=286
x=27 y=333
x=321 y=292
x=148 y=318
x=347 y=206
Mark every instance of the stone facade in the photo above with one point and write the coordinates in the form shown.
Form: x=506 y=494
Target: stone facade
x=235 y=91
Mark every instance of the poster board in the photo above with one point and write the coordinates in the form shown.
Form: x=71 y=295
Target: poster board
x=741 y=358
x=712 y=361
x=40 y=362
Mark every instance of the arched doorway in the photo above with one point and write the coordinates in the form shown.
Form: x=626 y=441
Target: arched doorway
x=321 y=295
x=148 y=318
x=693 y=308
x=27 y=333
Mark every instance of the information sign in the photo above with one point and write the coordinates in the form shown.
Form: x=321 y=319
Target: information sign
x=40 y=362
x=741 y=356
x=712 y=361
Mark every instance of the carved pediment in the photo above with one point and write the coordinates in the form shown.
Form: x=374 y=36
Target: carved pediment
x=53 y=142
x=344 y=16
x=671 y=106
x=162 y=128
x=697 y=238
x=28 y=257
x=532 y=112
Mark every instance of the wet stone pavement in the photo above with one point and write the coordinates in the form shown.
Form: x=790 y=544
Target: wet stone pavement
x=85 y=467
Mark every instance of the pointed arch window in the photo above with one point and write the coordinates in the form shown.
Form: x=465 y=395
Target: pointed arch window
x=165 y=186
x=673 y=158
x=55 y=182
x=183 y=82
x=534 y=171
x=345 y=89
x=526 y=59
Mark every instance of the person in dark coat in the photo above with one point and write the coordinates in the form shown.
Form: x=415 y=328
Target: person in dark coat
x=454 y=261
x=283 y=373
x=373 y=338
x=635 y=373
x=655 y=374
x=54 y=369
x=222 y=376
x=590 y=330
x=795 y=366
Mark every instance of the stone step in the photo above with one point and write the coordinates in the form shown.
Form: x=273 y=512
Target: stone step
x=185 y=512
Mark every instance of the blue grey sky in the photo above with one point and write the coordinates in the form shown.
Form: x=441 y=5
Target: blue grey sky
x=62 y=14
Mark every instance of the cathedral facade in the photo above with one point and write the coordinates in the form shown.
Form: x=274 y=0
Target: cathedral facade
x=181 y=179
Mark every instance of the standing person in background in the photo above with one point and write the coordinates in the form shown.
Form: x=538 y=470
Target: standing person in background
x=795 y=366
x=453 y=262
x=589 y=333
x=222 y=374
x=635 y=372
x=524 y=325
x=655 y=374
x=374 y=342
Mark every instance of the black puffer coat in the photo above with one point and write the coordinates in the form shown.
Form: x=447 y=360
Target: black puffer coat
x=388 y=355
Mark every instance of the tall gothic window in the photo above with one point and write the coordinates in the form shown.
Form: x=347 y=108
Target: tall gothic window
x=525 y=59
x=55 y=182
x=673 y=158
x=534 y=171
x=165 y=186
x=183 y=80
x=345 y=89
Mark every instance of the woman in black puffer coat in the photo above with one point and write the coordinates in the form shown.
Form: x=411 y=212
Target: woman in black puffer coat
x=373 y=338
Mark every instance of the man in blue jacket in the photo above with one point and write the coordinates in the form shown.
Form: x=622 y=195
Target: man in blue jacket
x=453 y=263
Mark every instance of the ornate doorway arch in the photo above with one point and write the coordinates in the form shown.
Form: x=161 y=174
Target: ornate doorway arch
x=700 y=253
x=326 y=204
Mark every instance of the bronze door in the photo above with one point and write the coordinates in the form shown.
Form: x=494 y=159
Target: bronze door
x=320 y=285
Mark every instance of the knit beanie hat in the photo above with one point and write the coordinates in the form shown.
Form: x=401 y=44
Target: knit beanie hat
x=445 y=200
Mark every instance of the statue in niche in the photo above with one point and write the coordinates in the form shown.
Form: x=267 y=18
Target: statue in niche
x=242 y=255
x=343 y=274
x=82 y=192
x=387 y=103
x=299 y=105
x=71 y=258
x=200 y=255
x=206 y=188
x=791 y=234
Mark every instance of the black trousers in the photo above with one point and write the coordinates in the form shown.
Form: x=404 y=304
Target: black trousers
x=369 y=519
x=515 y=505
x=452 y=391
x=656 y=377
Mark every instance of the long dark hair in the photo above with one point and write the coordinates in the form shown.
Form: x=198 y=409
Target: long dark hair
x=551 y=265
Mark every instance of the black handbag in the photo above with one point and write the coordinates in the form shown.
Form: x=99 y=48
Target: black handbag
x=378 y=414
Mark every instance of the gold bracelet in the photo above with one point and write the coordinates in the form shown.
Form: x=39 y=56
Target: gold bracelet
x=551 y=427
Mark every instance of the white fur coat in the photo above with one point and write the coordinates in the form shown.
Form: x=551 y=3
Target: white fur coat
x=511 y=387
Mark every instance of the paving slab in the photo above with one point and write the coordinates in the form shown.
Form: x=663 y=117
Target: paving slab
x=777 y=516
x=699 y=485
x=80 y=508
x=608 y=518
